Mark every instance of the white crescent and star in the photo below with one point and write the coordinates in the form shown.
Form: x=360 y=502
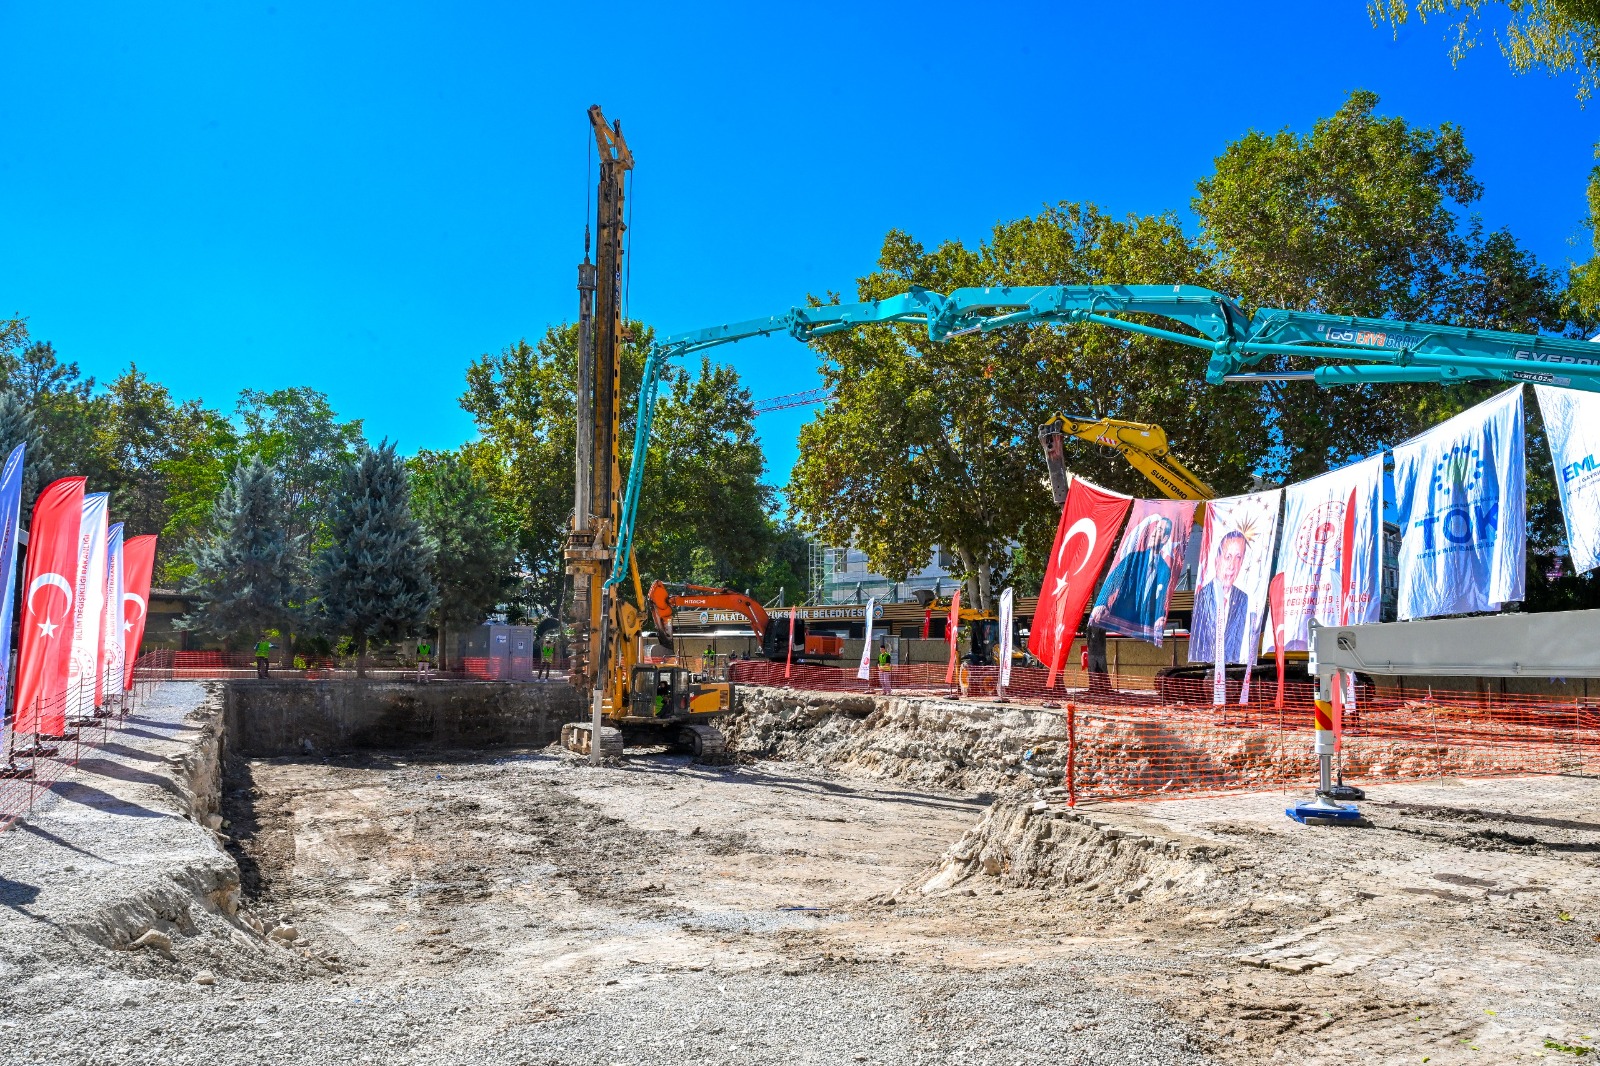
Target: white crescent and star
x=127 y=625
x=48 y=628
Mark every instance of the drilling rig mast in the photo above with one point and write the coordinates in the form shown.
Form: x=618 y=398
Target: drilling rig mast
x=592 y=538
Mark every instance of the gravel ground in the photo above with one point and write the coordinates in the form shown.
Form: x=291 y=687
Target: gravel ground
x=453 y=908
x=521 y=907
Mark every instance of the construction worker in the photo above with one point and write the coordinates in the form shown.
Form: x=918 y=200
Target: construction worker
x=547 y=659
x=263 y=652
x=424 y=659
x=883 y=666
x=708 y=661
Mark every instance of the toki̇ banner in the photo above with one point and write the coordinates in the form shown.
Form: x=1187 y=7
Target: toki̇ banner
x=1461 y=494
x=108 y=681
x=1133 y=598
x=1084 y=537
x=139 y=563
x=90 y=606
x=1230 y=600
x=1309 y=550
x=10 y=527
x=44 y=643
x=1008 y=600
x=1572 y=426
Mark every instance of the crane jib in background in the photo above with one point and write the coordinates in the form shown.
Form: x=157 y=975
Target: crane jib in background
x=1365 y=350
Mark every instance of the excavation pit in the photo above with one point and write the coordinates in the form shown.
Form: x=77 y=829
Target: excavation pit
x=824 y=897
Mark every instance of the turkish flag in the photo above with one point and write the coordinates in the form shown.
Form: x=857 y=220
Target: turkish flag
x=44 y=649
x=1085 y=537
x=138 y=561
x=952 y=630
x=1279 y=622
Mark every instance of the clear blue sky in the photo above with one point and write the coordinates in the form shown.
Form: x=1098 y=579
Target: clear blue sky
x=364 y=197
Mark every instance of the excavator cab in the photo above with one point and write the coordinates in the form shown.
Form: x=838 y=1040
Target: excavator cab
x=660 y=692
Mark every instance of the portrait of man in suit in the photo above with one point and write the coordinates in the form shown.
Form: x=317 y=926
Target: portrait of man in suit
x=1211 y=638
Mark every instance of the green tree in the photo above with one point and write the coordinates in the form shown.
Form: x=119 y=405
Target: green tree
x=473 y=551
x=241 y=570
x=702 y=483
x=373 y=578
x=1363 y=215
x=193 y=479
x=1556 y=36
x=936 y=444
x=146 y=440
x=17 y=426
x=296 y=432
x=61 y=399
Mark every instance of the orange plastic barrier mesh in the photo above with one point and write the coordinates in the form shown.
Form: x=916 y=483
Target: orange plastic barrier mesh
x=1134 y=738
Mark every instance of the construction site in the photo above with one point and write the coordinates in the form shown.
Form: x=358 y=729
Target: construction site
x=1264 y=760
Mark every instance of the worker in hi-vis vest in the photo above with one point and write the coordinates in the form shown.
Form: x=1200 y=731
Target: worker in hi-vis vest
x=263 y=650
x=424 y=659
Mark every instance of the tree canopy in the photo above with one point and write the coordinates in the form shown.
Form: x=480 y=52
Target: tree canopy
x=928 y=444
x=704 y=513
x=1555 y=36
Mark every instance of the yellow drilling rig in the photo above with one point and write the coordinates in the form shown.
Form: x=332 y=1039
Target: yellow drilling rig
x=625 y=695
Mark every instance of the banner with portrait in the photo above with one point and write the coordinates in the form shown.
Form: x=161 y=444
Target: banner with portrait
x=1230 y=599
x=1133 y=598
x=1309 y=549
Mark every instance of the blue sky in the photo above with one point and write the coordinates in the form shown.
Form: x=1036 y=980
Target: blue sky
x=364 y=197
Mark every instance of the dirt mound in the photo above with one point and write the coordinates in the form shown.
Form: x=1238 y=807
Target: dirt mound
x=920 y=741
x=1040 y=843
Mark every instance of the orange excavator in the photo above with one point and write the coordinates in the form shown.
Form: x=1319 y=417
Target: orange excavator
x=773 y=630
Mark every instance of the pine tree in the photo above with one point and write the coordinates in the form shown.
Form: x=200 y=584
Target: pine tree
x=373 y=581
x=244 y=568
x=18 y=426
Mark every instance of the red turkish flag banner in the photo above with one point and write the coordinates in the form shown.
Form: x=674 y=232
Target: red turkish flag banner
x=952 y=633
x=1346 y=565
x=1279 y=621
x=44 y=647
x=1085 y=537
x=138 y=561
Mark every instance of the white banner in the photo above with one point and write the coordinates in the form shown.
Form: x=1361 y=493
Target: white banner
x=1572 y=426
x=1007 y=608
x=1230 y=600
x=1460 y=491
x=90 y=606
x=865 y=673
x=113 y=629
x=1310 y=545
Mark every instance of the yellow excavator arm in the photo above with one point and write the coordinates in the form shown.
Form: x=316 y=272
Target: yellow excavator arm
x=1142 y=444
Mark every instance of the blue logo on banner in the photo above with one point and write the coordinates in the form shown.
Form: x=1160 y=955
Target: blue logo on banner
x=1459 y=472
x=1578 y=469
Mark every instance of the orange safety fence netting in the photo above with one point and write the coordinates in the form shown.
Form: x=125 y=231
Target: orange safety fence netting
x=33 y=762
x=1136 y=737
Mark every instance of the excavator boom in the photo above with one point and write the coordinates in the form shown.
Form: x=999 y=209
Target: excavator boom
x=1142 y=444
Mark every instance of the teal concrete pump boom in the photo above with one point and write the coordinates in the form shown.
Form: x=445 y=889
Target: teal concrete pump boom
x=1363 y=350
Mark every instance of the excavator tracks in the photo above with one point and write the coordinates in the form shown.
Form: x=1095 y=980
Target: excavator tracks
x=706 y=742
x=577 y=737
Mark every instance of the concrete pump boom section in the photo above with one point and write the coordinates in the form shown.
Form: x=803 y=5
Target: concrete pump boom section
x=1368 y=350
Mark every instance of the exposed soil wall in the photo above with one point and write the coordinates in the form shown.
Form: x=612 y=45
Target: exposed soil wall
x=268 y=718
x=967 y=746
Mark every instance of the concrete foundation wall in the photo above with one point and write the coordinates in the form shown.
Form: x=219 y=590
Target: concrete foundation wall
x=267 y=718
